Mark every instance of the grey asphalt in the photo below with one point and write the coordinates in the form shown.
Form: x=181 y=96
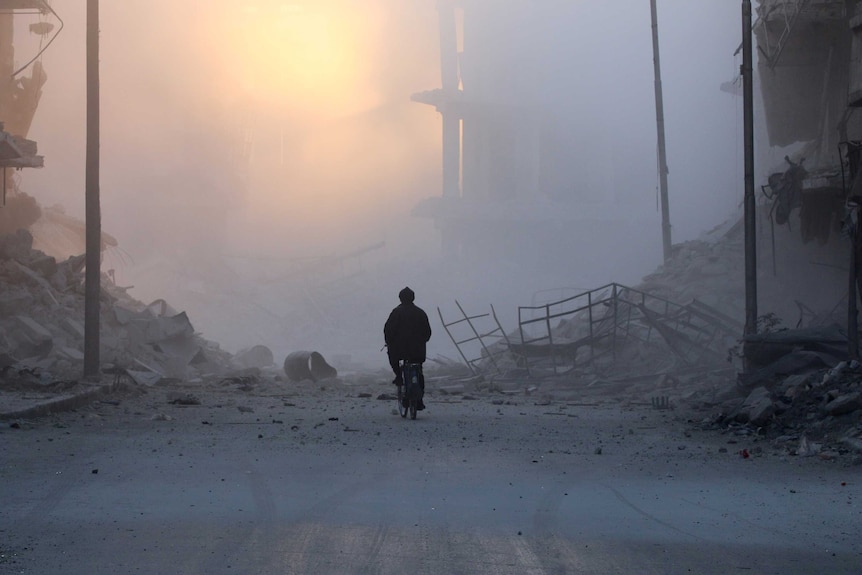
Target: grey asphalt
x=334 y=484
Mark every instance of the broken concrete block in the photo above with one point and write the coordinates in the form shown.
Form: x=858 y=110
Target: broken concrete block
x=27 y=348
x=182 y=348
x=59 y=281
x=147 y=378
x=31 y=328
x=70 y=353
x=161 y=308
x=791 y=385
x=41 y=263
x=16 y=246
x=109 y=344
x=14 y=300
x=178 y=354
x=124 y=316
x=757 y=408
x=844 y=404
x=162 y=328
x=256 y=356
x=301 y=365
x=73 y=327
x=38 y=278
x=6 y=360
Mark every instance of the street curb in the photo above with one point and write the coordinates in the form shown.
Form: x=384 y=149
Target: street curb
x=58 y=405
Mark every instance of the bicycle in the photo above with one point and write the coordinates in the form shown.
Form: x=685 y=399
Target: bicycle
x=409 y=393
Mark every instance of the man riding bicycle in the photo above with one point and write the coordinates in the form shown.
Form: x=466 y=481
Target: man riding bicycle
x=406 y=332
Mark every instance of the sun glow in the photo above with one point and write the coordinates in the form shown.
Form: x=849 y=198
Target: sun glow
x=312 y=58
x=322 y=88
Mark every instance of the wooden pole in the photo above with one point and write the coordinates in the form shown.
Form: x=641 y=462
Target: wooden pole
x=662 y=155
x=92 y=277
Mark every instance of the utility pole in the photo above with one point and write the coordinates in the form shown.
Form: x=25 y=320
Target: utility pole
x=93 y=216
x=750 y=207
x=852 y=292
x=662 y=155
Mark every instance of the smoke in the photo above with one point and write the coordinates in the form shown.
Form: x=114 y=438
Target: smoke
x=247 y=146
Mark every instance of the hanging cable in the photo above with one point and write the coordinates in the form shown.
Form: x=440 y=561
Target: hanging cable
x=36 y=57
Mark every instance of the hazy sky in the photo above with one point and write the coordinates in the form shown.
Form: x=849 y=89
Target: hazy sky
x=323 y=87
x=318 y=92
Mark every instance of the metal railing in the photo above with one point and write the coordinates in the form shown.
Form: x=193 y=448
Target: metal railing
x=598 y=320
x=487 y=335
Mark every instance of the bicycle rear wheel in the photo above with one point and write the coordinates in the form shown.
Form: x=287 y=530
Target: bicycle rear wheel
x=402 y=410
x=413 y=402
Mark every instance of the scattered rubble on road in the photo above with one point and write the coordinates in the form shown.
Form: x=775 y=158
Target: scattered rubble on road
x=800 y=394
x=802 y=397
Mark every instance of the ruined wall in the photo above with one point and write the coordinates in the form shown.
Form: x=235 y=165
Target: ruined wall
x=804 y=83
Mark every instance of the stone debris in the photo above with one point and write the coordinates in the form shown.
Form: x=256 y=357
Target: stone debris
x=259 y=356
x=177 y=398
x=799 y=392
x=308 y=365
x=42 y=330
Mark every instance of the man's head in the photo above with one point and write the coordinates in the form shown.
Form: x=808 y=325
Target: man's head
x=406 y=295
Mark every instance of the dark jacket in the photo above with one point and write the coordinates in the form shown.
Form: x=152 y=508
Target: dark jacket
x=406 y=332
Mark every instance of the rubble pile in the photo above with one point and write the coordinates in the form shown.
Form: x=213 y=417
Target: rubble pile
x=809 y=414
x=711 y=271
x=681 y=321
x=800 y=394
x=42 y=329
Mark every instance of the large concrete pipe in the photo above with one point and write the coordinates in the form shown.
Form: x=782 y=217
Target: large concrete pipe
x=301 y=365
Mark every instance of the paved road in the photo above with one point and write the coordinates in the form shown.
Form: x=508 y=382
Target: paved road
x=343 y=485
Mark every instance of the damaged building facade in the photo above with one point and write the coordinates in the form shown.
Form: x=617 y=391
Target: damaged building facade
x=809 y=72
x=20 y=91
x=41 y=266
x=523 y=176
x=678 y=335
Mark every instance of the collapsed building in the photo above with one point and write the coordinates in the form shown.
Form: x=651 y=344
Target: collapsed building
x=522 y=177
x=42 y=269
x=810 y=81
x=677 y=336
x=20 y=91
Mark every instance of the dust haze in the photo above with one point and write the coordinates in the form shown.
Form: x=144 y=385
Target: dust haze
x=261 y=161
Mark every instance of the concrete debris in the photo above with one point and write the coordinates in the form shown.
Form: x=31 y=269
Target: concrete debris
x=757 y=408
x=302 y=365
x=829 y=342
x=145 y=378
x=41 y=323
x=792 y=411
x=800 y=393
x=796 y=362
x=177 y=398
x=256 y=356
x=844 y=404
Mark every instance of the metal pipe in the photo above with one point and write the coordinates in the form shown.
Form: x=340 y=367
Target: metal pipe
x=750 y=214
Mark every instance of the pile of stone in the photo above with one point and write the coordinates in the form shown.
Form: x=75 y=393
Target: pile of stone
x=806 y=414
x=710 y=270
x=798 y=393
x=699 y=299
x=42 y=324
